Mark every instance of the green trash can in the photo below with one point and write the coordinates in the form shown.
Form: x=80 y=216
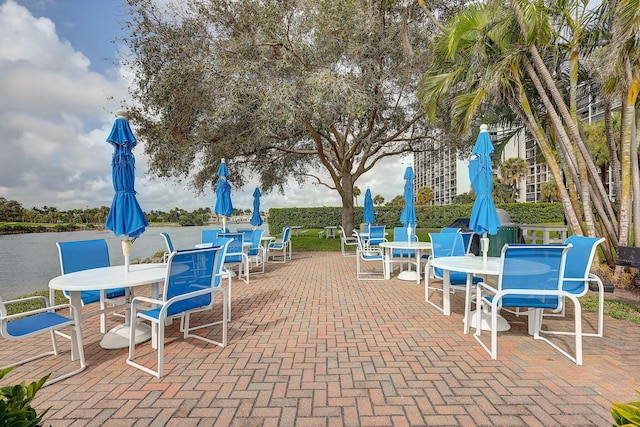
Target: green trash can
x=506 y=234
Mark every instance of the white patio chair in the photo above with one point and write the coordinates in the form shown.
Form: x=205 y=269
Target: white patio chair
x=282 y=245
x=190 y=286
x=24 y=325
x=346 y=241
x=531 y=277
x=369 y=255
x=84 y=255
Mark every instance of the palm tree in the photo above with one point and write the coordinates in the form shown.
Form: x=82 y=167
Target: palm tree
x=356 y=193
x=512 y=171
x=378 y=200
x=496 y=53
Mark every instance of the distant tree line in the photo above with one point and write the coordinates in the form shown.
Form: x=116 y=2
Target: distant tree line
x=13 y=211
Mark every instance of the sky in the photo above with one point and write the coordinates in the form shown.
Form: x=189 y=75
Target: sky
x=61 y=85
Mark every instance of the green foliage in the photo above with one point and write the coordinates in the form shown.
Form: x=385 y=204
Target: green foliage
x=428 y=216
x=626 y=414
x=15 y=403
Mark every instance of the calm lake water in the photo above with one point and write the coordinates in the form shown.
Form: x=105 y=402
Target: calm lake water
x=29 y=261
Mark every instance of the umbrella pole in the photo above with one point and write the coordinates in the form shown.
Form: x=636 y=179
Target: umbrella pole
x=126 y=251
x=224 y=224
x=484 y=247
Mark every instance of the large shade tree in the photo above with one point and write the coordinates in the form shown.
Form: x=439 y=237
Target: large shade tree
x=316 y=90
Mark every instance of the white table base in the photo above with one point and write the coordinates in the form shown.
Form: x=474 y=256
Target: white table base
x=485 y=324
x=118 y=337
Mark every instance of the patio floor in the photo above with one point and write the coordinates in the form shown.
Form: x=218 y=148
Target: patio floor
x=309 y=345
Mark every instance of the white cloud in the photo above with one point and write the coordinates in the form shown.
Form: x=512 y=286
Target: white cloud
x=56 y=112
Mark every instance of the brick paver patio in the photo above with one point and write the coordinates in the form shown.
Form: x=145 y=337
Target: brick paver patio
x=311 y=346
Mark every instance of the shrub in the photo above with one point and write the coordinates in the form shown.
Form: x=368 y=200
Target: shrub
x=15 y=403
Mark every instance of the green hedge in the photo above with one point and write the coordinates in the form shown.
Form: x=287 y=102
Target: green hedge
x=428 y=216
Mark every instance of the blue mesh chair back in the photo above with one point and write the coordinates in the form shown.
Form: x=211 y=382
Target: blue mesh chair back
x=254 y=249
x=223 y=244
x=376 y=235
x=532 y=268
x=84 y=255
x=578 y=264
x=167 y=241
x=450 y=230
x=190 y=271
x=247 y=233
x=208 y=236
x=449 y=244
x=234 y=250
x=400 y=234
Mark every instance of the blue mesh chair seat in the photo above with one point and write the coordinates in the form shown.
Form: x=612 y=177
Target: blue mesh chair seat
x=531 y=277
x=46 y=320
x=84 y=255
x=191 y=286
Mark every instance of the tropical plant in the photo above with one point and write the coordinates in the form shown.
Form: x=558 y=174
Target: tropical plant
x=378 y=200
x=15 y=403
x=626 y=414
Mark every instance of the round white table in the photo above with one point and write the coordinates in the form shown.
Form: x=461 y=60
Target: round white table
x=472 y=265
x=109 y=278
x=417 y=247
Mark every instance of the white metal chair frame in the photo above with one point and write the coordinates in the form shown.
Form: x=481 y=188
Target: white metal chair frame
x=369 y=254
x=159 y=321
x=282 y=245
x=494 y=297
x=31 y=323
x=346 y=241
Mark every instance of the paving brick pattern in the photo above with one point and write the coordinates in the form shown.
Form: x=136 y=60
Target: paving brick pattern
x=309 y=345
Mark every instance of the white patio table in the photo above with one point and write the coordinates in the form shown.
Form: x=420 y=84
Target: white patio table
x=109 y=278
x=417 y=247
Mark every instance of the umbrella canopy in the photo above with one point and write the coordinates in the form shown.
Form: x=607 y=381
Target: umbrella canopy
x=256 y=219
x=484 y=217
x=408 y=216
x=223 y=194
x=369 y=216
x=125 y=216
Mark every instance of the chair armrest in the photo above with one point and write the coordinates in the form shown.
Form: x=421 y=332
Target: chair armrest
x=47 y=309
x=33 y=298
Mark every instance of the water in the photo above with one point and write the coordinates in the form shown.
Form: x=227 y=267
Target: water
x=29 y=261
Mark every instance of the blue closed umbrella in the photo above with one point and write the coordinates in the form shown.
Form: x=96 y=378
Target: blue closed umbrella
x=484 y=217
x=408 y=216
x=125 y=216
x=256 y=219
x=369 y=216
x=223 y=194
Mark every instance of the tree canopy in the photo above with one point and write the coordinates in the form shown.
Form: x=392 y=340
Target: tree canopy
x=296 y=89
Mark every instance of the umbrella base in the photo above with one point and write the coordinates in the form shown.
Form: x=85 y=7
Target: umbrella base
x=118 y=337
x=408 y=275
x=503 y=325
